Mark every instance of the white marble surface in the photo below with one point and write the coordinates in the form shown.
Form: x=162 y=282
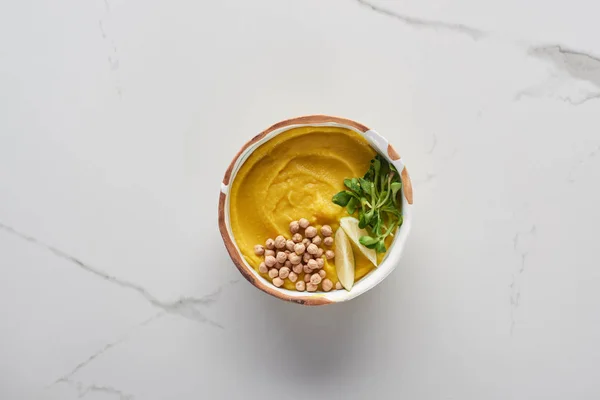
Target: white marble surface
x=119 y=117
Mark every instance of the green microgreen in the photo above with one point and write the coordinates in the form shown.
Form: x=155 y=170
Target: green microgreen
x=375 y=198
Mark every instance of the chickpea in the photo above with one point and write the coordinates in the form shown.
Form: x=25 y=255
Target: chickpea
x=294 y=258
x=278 y=265
x=310 y=232
x=307 y=277
x=306 y=269
x=299 y=248
x=288 y=264
x=270 y=244
x=326 y=230
x=289 y=245
x=300 y=286
x=328 y=241
x=292 y=277
x=338 y=286
x=322 y=273
x=297 y=238
x=270 y=261
x=317 y=240
x=284 y=272
x=294 y=226
x=262 y=268
x=273 y=273
x=303 y=222
x=259 y=250
x=315 y=279
x=278 y=282
x=320 y=252
x=281 y=257
x=329 y=254
x=306 y=257
x=298 y=268
x=311 y=287
x=306 y=242
x=269 y=253
x=327 y=285
x=320 y=263
x=312 y=264
x=280 y=242
x=312 y=249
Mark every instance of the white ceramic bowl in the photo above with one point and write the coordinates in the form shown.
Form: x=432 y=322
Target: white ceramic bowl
x=392 y=258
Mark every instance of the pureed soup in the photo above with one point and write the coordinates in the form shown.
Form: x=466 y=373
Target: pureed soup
x=293 y=177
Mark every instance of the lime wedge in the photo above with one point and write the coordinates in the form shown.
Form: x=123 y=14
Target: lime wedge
x=344 y=259
x=350 y=226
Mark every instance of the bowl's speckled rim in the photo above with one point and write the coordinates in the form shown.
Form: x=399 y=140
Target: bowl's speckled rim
x=317 y=298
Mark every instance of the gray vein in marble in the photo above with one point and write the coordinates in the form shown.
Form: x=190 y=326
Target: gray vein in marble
x=88 y=361
x=113 y=57
x=451 y=156
x=473 y=33
x=571 y=64
x=432 y=176
x=551 y=88
x=101 y=26
x=184 y=307
x=581 y=163
x=429 y=178
x=105 y=348
x=433 y=145
x=583 y=99
x=516 y=241
x=515 y=285
x=575 y=79
x=108 y=390
x=578 y=64
x=83 y=391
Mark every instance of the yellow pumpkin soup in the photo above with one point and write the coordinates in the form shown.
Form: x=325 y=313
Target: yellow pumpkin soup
x=292 y=176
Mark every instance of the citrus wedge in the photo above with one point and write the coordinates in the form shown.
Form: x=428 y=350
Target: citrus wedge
x=350 y=226
x=344 y=259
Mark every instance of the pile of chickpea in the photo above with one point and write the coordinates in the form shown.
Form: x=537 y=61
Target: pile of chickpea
x=289 y=258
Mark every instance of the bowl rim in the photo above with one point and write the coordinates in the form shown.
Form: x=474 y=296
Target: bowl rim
x=378 y=143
